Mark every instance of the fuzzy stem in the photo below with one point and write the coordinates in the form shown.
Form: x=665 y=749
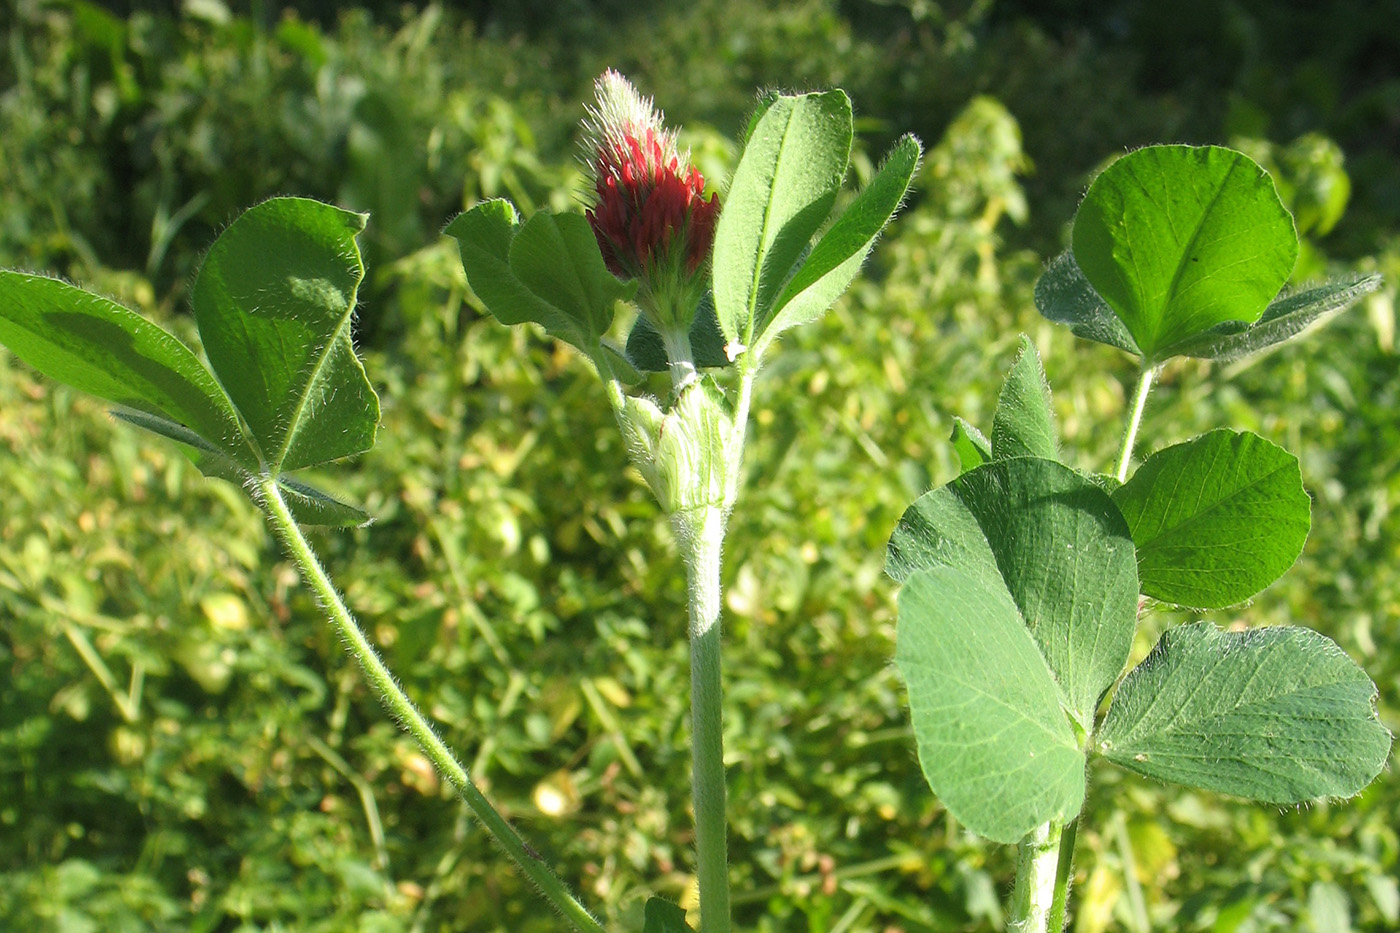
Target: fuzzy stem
x=1037 y=867
x=1063 y=872
x=1125 y=455
x=734 y=451
x=679 y=357
x=402 y=708
x=702 y=544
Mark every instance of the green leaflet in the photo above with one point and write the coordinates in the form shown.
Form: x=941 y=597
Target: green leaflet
x=661 y=916
x=99 y=347
x=1179 y=240
x=1279 y=715
x=993 y=743
x=837 y=257
x=1064 y=296
x=548 y=271
x=556 y=256
x=1055 y=542
x=971 y=444
x=1215 y=519
x=647 y=352
x=782 y=190
x=311 y=506
x=1283 y=320
x=274 y=301
x=1024 y=424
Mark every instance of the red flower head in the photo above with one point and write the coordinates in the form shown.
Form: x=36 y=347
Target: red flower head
x=652 y=220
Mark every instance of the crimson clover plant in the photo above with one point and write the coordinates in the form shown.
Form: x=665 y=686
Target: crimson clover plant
x=1022 y=579
x=281 y=388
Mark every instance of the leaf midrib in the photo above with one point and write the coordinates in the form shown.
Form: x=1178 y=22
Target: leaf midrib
x=313 y=379
x=765 y=243
x=1183 y=261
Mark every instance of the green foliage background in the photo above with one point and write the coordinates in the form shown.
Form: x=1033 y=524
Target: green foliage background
x=183 y=745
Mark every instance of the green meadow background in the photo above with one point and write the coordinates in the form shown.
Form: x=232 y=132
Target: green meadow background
x=184 y=746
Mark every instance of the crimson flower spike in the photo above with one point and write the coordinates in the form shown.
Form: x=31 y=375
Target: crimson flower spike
x=651 y=217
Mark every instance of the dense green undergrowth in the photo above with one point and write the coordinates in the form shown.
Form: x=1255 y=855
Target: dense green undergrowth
x=184 y=747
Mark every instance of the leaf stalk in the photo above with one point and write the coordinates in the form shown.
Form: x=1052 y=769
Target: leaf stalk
x=1125 y=454
x=408 y=715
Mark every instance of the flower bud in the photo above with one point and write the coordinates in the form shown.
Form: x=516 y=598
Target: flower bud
x=681 y=454
x=651 y=218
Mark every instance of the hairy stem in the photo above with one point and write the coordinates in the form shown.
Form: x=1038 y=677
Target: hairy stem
x=680 y=358
x=702 y=541
x=1125 y=455
x=1063 y=872
x=402 y=708
x=734 y=450
x=1037 y=868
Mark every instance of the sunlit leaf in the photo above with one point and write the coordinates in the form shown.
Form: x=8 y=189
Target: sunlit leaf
x=99 y=347
x=1024 y=424
x=783 y=188
x=993 y=742
x=1178 y=240
x=1215 y=519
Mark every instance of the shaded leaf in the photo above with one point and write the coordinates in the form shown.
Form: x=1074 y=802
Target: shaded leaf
x=647 y=352
x=1279 y=715
x=993 y=742
x=1179 y=239
x=557 y=258
x=210 y=460
x=1215 y=519
x=616 y=360
x=836 y=259
x=274 y=301
x=1283 y=320
x=781 y=192
x=1024 y=425
x=1056 y=543
x=311 y=506
x=552 y=275
x=661 y=916
x=99 y=347
x=1064 y=296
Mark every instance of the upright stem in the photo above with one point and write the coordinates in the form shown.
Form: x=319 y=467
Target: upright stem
x=703 y=540
x=734 y=450
x=402 y=708
x=680 y=357
x=1125 y=455
x=1037 y=868
x=1059 y=906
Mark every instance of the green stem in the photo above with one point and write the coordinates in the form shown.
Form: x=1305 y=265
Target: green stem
x=680 y=358
x=402 y=708
x=702 y=540
x=1125 y=455
x=1037 y=870
x=734 y=448
x=366 y=794
x=1063 y=872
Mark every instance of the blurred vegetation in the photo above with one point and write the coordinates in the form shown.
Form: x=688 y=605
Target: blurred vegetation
x=183 y=745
